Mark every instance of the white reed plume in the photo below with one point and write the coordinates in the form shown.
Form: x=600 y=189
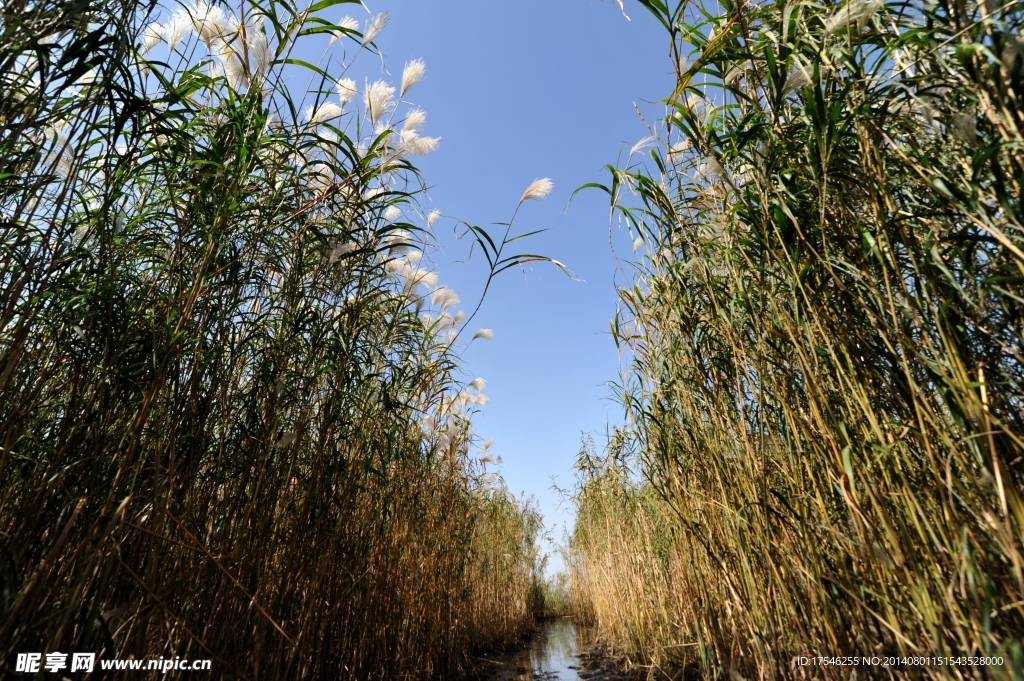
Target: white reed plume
x=374 y=27
x=964 y=128
x=854 y=12
x=394 y=266
x=487 y=458
x=645 y=143
x=412 y=74
x=414 y=145
x=485 y=334
x=341 y=249
x=325 y=112
x=477 y=384
x=392 y=213
x=733 y=74
x=444 y=298
x=346 y=90
x=415 y=277
x=348 y=25
x=208 y=21
x=414 y=120
x=230 y=62
x=538 y=189
x=715 y=171
x=679 y=148
x=398 y=240
x=151 y=37
x=61 y=153
x=321 y=179
x=176 y=29
x=432 y=217
x=799 y=76
x=380 y=99
x=259 y=49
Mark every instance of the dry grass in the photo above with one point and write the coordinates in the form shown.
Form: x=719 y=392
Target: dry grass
x=824 y=398
x=230 y=421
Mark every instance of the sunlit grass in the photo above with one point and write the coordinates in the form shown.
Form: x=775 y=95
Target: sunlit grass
x=231 y=420
x=823 y=450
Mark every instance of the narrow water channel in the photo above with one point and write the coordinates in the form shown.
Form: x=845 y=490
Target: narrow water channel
x=552 y=653
x=560 y=650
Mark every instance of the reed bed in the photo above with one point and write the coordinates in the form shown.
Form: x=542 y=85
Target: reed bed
x=823 y=446
x=231 y=425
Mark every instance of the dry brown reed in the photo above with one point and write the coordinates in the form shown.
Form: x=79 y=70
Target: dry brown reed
x=229 y=428
x=824 y=451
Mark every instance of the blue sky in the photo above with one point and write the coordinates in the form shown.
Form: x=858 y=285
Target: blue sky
x=516 y=91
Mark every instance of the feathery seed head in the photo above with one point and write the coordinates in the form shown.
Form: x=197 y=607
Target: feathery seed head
x=151 y=37
x=414 y=145
x=346 y=90
x=374 y=27
x=414 y=120
x=487 y=458
x=855 y=12
x=208 y=21
x=645 y=143
x=347 y=25
x=325 y=112
x=799 y=76
x=176 y=29
x=444 y=298
x=412 y=74
x=341 y=249
x=415 y=277
x=379 y=99
x=230 y=62
x=538 y=189
x=485 y=334
x=259 y=50
x=392 y=213
x=964 y=128
x=432 y=217
x=477 y=384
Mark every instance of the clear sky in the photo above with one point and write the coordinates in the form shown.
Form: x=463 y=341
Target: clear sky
x=519 y=90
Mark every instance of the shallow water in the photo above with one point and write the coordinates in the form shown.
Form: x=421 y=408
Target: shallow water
x=559 y=650
x=552 y=654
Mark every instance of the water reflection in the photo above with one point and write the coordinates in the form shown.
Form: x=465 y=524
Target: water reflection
x=552 y=653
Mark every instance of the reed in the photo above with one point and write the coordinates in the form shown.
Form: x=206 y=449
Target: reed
x=231 y=425
x=823 y=444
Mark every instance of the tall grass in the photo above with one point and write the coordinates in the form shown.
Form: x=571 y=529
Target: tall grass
x=230 y=420
x=823 y=452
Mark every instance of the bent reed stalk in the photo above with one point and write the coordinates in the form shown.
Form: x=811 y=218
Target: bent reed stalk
x=230 y=426
x=824 y=446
